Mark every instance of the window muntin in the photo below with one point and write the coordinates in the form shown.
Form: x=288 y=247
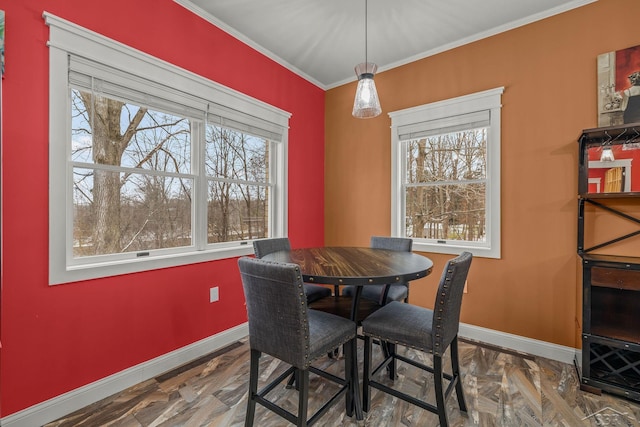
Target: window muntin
x=161 y=168
x=446 y=174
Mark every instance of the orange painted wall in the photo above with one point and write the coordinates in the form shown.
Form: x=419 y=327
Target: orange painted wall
x=548 y=69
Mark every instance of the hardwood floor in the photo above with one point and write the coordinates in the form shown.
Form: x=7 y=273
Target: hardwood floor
x=502 y=388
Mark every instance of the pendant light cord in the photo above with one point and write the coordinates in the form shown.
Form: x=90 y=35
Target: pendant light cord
x=366 y=38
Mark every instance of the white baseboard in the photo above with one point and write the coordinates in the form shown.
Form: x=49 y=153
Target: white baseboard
x=64 y=404
x=518 y=343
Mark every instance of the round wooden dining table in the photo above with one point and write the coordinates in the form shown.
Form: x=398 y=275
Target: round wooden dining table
x=358 y=266
x=353 y=266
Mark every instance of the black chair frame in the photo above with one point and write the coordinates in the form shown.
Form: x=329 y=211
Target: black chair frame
x=282 y=326
x=441 y=395
x=302 y=381
x=426 y=330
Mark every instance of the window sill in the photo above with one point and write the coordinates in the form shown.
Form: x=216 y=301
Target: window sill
x=60 y=275
x=455 y=249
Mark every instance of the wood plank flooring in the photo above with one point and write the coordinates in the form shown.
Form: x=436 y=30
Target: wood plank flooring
x=502 y=388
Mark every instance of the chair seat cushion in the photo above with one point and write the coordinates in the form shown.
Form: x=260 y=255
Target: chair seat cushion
x=400 y=323
x=328 y=332
x=397 y=292
x=315 y=292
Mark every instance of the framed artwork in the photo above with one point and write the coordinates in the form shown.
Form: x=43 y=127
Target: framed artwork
x=619 y=87
x=2 y=40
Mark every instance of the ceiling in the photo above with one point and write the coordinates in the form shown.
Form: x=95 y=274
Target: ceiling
x=322 y=40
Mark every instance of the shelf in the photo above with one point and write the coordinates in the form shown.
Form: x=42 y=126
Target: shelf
x=600 y=179
x=613 y=259
x=610 y=283
x=616 y=134
x=621 y=195
x=614 y=314
x=615 y=334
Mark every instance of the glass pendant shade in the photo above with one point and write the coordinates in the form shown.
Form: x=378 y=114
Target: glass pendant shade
x=366 y=104
x=607 y=155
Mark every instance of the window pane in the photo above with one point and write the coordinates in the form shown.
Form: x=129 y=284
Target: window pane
x=237 y=203
x=236 y=212
x=235 y=155
x=446 y=212
x=111 y=132
x=116 y=212
x=129 y=150
x=448 y=157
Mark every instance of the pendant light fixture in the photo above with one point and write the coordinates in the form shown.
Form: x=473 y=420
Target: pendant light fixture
x=366 y=104
x=607 y=154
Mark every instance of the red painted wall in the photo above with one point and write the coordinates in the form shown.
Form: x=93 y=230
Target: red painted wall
x=55 y=339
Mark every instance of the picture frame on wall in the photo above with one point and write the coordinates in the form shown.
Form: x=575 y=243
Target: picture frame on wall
x=2 y=42
x=619 y=87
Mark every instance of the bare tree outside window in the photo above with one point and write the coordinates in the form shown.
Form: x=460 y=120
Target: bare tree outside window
x=133 y=179
x=151 y=166
x=445 y=186
x=237 y=174
x=131 y=191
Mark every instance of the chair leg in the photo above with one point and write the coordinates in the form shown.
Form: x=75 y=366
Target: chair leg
x=439 y=390
x=391 y=350
x=355 y=381
x=302 y=377
x=292 y=381
x=253 y=388
x=366 y=390
x=455 y=366
x=296 y=376
x=348 y=375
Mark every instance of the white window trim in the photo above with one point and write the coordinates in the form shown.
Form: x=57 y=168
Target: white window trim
x=67 y=38
x=480 y=101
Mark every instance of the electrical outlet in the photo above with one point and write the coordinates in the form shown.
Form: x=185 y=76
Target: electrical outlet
x=465 y=287
x=214 y=294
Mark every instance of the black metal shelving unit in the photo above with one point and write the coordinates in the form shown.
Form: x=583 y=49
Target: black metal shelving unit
x=611 y=284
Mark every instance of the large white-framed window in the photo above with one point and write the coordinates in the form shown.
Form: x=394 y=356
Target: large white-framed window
x=152 y=166
x=445 y=191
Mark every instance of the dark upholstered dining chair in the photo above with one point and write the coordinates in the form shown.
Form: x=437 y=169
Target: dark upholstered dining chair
x=383 y=294
x=281 y=325
x=431 y=331
x=266 y=246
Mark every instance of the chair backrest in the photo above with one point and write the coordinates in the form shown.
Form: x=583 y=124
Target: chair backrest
x=266 y=246
x=446 y=310
x=401 y=244
x=277 y=310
